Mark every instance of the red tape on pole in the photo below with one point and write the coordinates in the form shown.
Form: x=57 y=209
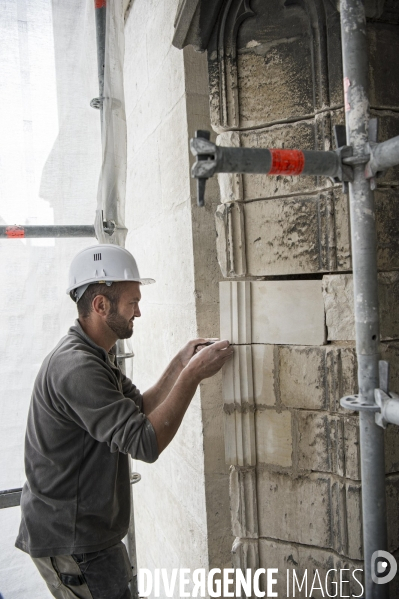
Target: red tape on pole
x=287 y=162
x=15 y=232
x=100 y=3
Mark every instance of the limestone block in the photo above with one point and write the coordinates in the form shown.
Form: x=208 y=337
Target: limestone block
x=302 y=134
x=263 y=368
x=287 y=312
x=274 y=437
x=239 y=408
x=392 y=449
x=245 y=555
x=296 y=510
x=351 y=447
x=338 y=300
x=302 y=372
x=387 y=217
x=353 y=511
x=243 y=503
x=230 y=240
x=319 y=442
x=392 y=494
x=300 y=559
x=235 y=311
x=390 y=352
x=230 y=184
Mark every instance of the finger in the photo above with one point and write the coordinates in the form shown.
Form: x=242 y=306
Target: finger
x=224 y=344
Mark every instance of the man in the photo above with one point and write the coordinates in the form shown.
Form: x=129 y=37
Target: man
x=85 y=418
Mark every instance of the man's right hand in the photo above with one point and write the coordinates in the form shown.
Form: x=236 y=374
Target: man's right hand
x=208 y=360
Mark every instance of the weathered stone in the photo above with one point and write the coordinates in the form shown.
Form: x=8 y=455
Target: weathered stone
x=301 y=134
x=243 y=503
x=230 y=184
x=353 y=515
x=392 y=493
x=306 y=377
x=351 y=442
x=299 y=559
x=287 y=312
x=296 y=510
x=230 y=241
x=301 y=377
x=245 y=555
x=319 y=442
x=274 y=437
x=338 y=300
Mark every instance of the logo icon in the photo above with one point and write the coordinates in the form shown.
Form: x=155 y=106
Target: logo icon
x=383 y=567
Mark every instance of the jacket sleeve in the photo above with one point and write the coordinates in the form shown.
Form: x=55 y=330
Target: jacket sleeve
x=83 y=390
x=130 y=390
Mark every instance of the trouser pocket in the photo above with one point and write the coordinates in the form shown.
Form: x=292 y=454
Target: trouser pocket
x=63 y=577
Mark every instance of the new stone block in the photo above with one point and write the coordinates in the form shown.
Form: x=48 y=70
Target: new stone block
x=235 y=311
x=239 y=408
x=264 y=373
x=297 y=509
x=287 y=312
x=338 y=300
x=274 y=437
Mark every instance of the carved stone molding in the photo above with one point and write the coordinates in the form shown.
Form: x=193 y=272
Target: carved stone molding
x=222 y=55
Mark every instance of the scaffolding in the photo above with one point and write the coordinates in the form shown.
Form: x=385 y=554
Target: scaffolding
x=356 y=163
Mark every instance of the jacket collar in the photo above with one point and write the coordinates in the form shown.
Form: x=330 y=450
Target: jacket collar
x=77 y=329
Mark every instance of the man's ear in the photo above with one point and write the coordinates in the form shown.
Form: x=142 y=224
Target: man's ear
x=101 y=305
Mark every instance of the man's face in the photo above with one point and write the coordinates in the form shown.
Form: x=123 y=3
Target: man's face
x=120 y=319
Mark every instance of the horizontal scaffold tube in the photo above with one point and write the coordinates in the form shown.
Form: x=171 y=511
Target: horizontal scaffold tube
x=384 y=155
x=37 y=231
x=277 y=161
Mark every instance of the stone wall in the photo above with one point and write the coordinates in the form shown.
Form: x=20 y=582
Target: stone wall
x=286 y=302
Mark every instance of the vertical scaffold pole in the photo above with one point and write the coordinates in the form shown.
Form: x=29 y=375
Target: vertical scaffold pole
x=101 y=29
x=101 y=25
x=364 y=256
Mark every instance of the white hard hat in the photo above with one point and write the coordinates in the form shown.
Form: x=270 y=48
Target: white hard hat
x=103 y=263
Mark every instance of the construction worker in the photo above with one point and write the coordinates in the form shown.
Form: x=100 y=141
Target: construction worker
x=85 y=418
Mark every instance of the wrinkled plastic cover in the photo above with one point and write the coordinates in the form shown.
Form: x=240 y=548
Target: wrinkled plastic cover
x=112 y=185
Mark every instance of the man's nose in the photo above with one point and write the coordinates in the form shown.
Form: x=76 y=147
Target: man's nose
x=137 y=312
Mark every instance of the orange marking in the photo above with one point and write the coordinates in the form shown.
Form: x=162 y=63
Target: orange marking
x=15 y=231
x=287 y=162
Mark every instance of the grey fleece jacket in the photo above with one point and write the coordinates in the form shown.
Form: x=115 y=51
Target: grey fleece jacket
x=85 y=417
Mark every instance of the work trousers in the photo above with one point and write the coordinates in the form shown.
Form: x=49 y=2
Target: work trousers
x=103 y=574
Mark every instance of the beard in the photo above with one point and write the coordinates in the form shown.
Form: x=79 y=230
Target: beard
x=119 y=325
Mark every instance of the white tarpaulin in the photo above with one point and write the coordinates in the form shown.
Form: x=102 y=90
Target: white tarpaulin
x=50 y=165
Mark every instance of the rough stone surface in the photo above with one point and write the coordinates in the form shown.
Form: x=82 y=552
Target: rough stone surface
x=299 y=559
x=295 y=510
x=244 y=509
x=338 y=301
x=320 y=442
